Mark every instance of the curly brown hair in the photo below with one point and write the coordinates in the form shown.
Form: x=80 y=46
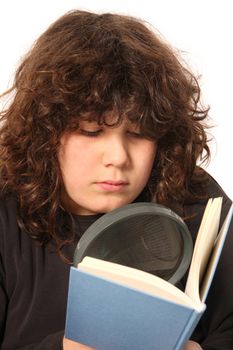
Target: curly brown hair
x=84 y=65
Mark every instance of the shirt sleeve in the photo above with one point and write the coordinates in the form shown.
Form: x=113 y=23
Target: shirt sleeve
x=33 y=289
x=51 y=342
x=3 y=303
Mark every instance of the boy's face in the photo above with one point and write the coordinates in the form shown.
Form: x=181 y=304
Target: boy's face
x=104 y=168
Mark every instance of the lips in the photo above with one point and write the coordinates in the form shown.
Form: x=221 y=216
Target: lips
x=111 y=185
x=116 y=183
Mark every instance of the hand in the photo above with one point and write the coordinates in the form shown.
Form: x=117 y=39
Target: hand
x=192 y=345
x=72 y=345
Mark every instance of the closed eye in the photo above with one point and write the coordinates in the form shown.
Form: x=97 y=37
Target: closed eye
x=90 y=133
x=136 y=134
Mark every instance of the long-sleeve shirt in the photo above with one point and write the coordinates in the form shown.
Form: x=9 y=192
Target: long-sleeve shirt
x=34 y=285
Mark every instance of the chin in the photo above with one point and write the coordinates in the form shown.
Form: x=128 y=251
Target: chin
x=111 y=206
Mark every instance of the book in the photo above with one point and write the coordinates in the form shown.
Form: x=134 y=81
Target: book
x=116 y=307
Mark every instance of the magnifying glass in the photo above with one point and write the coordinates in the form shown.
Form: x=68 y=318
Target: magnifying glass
x=145 y=236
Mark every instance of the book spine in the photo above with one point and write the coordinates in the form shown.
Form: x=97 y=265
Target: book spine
x=188 y=330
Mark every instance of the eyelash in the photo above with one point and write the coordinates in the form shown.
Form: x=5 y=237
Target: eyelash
x=136 y=134
x=90 y=133
x=98 y=132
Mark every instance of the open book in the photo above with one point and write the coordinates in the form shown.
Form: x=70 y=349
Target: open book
x=111 y=306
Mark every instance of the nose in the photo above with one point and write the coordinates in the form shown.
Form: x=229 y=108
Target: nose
x=116 y=152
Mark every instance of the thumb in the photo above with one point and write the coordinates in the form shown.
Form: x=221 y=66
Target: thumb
x=191 y=345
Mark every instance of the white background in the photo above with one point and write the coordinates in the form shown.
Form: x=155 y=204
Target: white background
x=202 y=29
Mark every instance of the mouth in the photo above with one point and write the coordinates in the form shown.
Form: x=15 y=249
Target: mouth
x=112 y=186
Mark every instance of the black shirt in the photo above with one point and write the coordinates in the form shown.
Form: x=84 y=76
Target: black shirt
x=34 y=283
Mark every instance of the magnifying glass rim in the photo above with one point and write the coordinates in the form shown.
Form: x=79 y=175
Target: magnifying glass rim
x=127 y=211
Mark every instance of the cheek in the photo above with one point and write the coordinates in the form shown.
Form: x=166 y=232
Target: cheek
x=145 y=161
x=72 y=162
x=144 y=172
x=148 y=156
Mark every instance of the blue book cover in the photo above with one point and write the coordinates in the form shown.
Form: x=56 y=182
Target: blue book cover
x=106 y=315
